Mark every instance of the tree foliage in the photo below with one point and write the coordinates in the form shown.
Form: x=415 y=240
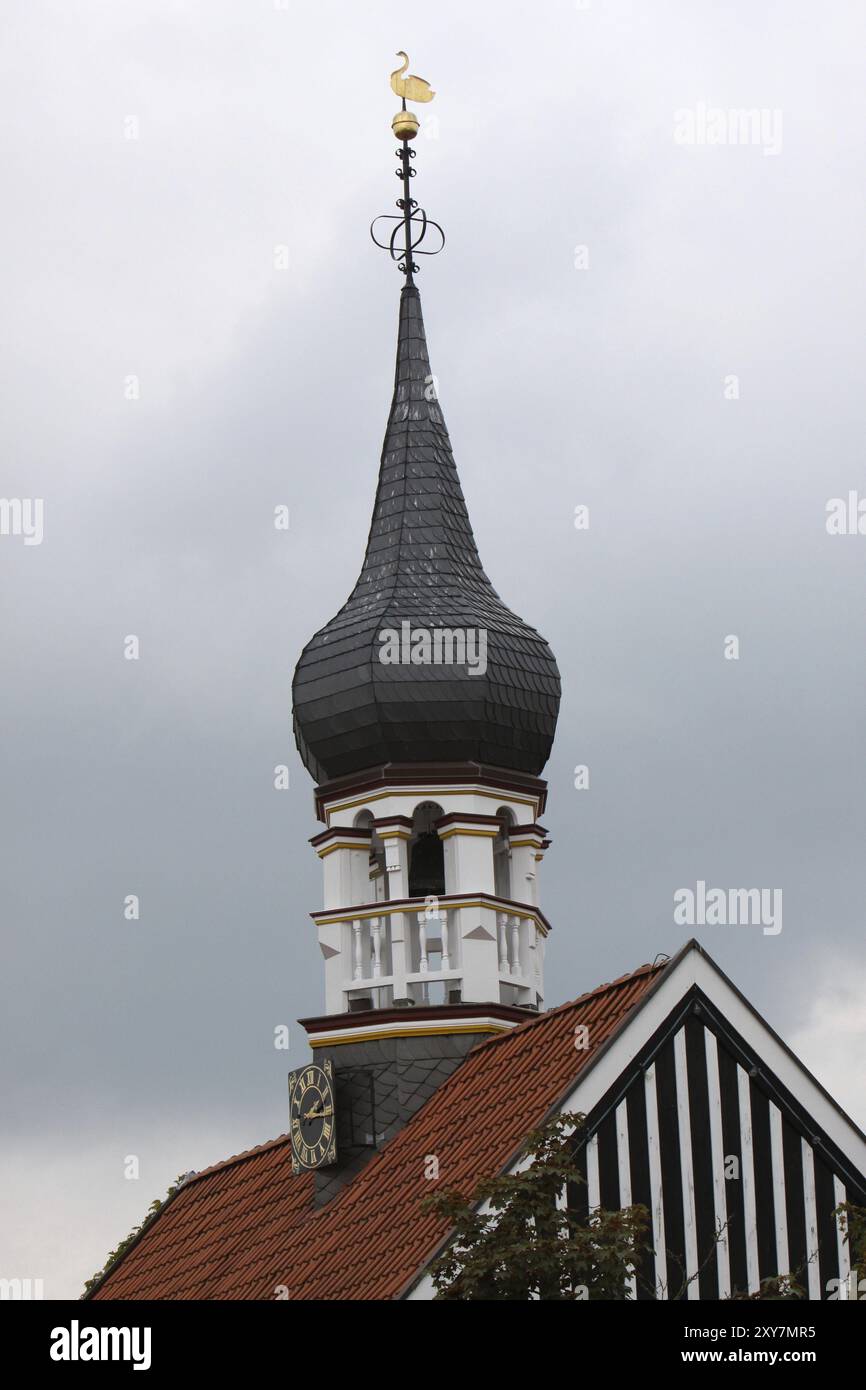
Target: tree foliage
x=153 y=1211
x=523 y=1245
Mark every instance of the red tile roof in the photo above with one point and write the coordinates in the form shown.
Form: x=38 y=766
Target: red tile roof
x=246 y=1226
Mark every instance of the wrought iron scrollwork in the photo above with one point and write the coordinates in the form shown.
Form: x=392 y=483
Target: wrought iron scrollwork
x=412 y=221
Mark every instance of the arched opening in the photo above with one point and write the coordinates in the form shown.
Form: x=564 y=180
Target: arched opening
x=426 y=853
x=374 y=886
x=502 y=854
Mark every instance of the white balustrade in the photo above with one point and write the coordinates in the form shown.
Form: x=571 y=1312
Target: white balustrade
x=416 y=950
x=508 y=932
x=371 y=948
x=502 y=922
x=428 y=943
x=376 y=938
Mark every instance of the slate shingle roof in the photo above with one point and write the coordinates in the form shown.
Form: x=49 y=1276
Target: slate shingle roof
x=351 y=712
x=246 y=1226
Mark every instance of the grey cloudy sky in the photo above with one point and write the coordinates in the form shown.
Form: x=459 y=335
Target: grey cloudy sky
x=261 y=126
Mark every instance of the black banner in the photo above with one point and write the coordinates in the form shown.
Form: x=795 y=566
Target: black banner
x=154 y=1338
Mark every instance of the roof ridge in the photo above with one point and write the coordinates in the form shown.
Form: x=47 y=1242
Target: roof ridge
x=281 y=1139
x=646 y=969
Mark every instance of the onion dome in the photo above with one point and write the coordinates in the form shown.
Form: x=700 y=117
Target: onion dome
x=383 y=681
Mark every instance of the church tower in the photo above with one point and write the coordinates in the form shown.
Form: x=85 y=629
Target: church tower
x=425 y=711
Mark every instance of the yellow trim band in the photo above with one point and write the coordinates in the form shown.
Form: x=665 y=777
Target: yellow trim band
x=345 y=844
x=400 y=1032
x=427 y=792
x=458 y=830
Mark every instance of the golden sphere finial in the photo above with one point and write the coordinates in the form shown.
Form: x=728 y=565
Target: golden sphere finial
x=405 y=125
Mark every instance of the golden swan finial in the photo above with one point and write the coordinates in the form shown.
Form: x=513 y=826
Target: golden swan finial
x=410 y=88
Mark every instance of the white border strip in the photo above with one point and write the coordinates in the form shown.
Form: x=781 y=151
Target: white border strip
x=656 y=1191
x=811 y=1220
x=593 y=1186
x=723 y=1255
x=687 y=1167
x=747 y=1175
x=623 y=1158
x=842 y=1246
x=780 y=1196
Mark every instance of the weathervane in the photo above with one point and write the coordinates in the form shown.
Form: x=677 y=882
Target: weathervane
x=412 y=219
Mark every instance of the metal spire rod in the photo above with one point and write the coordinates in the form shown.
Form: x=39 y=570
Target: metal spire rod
x=407 y=265
x=412 y=219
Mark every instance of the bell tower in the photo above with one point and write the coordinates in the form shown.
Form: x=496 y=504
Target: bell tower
x=425 y=712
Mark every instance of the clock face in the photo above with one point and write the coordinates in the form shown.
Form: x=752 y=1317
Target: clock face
x=311 y=1117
